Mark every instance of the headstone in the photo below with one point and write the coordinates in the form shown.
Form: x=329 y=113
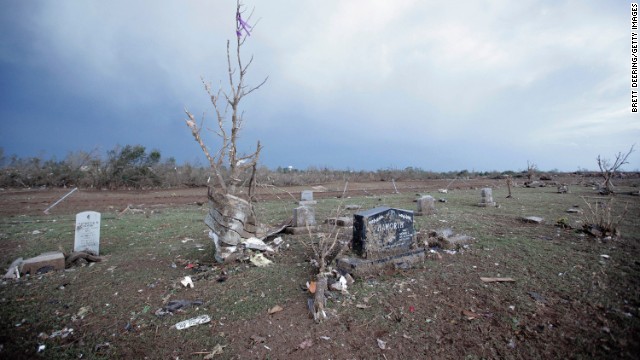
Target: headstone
x=381 y=231
x=426 y=205
x=87 y=232
x=306 y=198
x=382 y=237
x=306 y=195
x=487 y=198
x=304 y=216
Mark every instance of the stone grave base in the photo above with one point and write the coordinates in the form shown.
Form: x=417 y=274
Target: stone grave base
x=307 y=202
x=51 y=260
x=362 y=267
x=298 y=230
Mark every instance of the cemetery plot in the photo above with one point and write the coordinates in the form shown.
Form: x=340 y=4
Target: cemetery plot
x=547 y=284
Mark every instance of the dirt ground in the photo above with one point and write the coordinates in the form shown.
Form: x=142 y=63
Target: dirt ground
x=568 y=300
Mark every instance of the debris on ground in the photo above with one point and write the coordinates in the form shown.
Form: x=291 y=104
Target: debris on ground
x=77 y=257
x=257 y=244
x=202 y=319
x=217 y=350
x=532 y=219
x=175 y=305
x=14 y=269
x=64 y=333
x=446 y=239
x=340 y=285
x=258 y=339
x=259 y=260
x=382 y=344
x=305 y=344
x=275 y=309
x=537 y=297
x=187 y=282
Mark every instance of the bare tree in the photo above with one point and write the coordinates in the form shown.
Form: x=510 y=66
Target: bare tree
x=608 y=169
x=231 y=216
x=531 y=170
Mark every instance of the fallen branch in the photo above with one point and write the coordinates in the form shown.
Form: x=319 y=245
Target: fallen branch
x=74 y=256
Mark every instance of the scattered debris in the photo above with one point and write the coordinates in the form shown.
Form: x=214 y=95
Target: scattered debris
x=278 y=241
x=217 y=350
x=259 y=260
x=82 y=312
x=14 y=269
x=305 y=344
x=443 y=191
x=311 y=286
x=340 y=285
x=563 y=222
x=41 y=348
x=187 y=282
x=604 y=256
x=446 y=239
x=257 y=244
x=382 y=344
x=175 y=305
x=275 y=309
x=64 y=333
x=46 y=211
x=532 y=219
x=202 y=319
x=73 y=258
x=537 y=297
x=353 y=207
x=496 y=279
x=258 y=339
x=470 y=315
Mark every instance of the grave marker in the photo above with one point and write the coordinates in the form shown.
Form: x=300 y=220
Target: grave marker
x=426 y=205
x=306 y=198
x=487 y=198
x=87 y=232
x=381 y=231
x=382 y=236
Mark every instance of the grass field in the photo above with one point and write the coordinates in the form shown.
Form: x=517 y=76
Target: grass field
x=568 y=300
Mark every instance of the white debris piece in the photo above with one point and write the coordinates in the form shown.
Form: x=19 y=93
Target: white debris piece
x=257 y=244
x=203 y=319
x=187 y=282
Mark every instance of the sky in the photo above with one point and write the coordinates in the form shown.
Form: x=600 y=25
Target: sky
x=359 y=84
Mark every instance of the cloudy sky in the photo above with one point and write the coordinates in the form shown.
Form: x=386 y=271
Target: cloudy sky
x=359 y=84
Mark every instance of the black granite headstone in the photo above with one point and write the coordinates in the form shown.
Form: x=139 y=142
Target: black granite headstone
x=382 y=231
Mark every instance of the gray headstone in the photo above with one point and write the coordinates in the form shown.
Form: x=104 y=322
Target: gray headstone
x=487 y=198
x=426 y=205
x=87 y=232
x=306 y=195
x=303 y=216
x=382 y=231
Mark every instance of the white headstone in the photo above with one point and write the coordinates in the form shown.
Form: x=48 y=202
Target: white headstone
x=306 y=195
x=87 y=232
